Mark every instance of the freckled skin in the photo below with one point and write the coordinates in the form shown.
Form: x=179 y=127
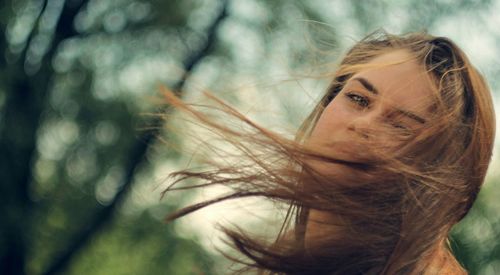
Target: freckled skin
x=356 y=113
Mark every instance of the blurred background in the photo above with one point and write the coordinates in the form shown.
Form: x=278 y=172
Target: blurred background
x=82 y=153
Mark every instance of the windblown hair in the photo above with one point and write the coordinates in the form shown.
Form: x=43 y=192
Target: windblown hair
x=395 y=208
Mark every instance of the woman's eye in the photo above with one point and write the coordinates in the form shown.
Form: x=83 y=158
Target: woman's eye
x=399 y=126
x=358 y=99
x=402 y=129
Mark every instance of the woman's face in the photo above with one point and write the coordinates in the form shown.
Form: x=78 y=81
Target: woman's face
x=376 y=105
x=380 y=104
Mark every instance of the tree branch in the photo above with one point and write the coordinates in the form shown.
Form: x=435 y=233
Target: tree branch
x=24 y=102
x=136 y=158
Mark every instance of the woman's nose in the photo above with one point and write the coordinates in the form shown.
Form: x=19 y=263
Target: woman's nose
x=364 y=126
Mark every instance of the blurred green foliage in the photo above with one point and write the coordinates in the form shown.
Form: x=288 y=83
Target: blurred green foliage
x=78 y=78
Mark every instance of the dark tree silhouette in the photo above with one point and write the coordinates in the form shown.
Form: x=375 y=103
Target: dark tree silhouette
x=27 y=86
x=135 y=159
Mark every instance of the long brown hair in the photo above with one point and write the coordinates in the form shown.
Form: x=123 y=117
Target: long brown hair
x=394 y=208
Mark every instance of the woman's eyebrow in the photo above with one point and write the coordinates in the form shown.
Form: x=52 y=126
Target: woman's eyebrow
x=371 y=88
x=411 y=115
x=367 y=84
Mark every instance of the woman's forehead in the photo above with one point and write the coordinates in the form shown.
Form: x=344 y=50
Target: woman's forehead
x=397 y=77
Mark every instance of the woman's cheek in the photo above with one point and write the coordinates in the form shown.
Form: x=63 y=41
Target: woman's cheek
x=330 y=135
x=332 y=123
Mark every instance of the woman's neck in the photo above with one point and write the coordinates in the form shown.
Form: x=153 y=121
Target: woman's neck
x=323 y=225
x=442 y=261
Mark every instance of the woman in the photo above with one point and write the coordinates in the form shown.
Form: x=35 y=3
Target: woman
x=390 y=159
